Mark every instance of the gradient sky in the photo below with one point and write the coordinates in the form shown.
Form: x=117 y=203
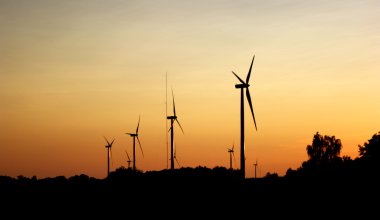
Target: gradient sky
x=73 y=71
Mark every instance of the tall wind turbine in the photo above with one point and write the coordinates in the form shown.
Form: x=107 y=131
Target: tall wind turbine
x=242 y=86
x=109 y=151
x=255 y=164
x=129 y=160
x=231 y=152
x=172 y=119
x=136 y=135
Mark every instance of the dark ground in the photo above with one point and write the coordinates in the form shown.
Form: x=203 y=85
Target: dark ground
x=191 y=193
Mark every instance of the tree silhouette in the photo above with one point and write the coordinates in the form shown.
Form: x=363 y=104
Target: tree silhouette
x=370 y=150
x=324 y=149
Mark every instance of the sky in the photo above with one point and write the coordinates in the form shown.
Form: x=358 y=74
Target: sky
x=72 y=72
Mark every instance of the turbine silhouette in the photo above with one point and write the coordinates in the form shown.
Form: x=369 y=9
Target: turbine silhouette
x=242 y=86
x=231 y=153
x=134 y=136
x=109 y=146
x=255 y=164
x=129 y=160
x=172 y=119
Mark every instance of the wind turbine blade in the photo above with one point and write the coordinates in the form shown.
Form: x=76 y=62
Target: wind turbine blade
x=112 y=142
x=170 y=128
x=233 y=154
x=250 y=105
x=173 y=104
x=106 y=140
x=129 y=133
x=250 y=68
x=233 y=146
x=138 y=140
x=180 y=126
x=138 y=124
x=127 y=155
x=238 y=78
x=175 y=155
x=177 y=162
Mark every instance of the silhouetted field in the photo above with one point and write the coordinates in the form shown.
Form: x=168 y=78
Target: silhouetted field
x=197 y=189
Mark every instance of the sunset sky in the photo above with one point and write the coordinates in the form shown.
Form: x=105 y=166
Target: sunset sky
x=72 y=72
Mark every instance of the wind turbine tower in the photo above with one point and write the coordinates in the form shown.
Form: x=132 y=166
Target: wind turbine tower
x=231 y=153
x=244 y=85
x=172 y=119
x=134 y=136
x=255 y=164
x=109 y=151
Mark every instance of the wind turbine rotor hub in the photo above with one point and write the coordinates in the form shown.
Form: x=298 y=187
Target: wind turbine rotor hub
x=239 y=86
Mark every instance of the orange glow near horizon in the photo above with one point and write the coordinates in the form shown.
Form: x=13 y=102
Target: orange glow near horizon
x=73 y=72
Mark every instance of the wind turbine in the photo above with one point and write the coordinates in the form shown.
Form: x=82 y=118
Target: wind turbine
x=129 y=160
x=242 y=86
x=136 y=135
x=172 y=119
x=109 y=146
x=255 y=164
x=231 y=152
